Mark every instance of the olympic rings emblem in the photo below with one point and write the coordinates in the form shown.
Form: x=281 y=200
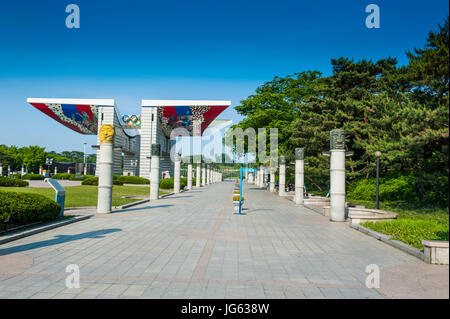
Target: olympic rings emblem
x=132 y=120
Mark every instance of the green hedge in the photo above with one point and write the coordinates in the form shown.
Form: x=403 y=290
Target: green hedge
x=24 y=208
x=167 y=183
x=93 y=180
x=134 y=180
x=391 y=189
x=12 y=182
x=31 y=176
x=72 y=177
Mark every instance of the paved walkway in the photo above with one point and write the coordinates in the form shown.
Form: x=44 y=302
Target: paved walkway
x=190 y=245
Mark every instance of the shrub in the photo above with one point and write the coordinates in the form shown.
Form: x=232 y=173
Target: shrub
x=12 y=182
x=399 y=188
x=31 y=176
x=23 y=208
x=93 y=180
x=63 y=176
x=72 y=177
x=166 y=183
x=134 y=180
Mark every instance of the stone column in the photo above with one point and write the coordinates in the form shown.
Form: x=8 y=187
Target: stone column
x=40 y=170
x=189 y=173
x=85 y=169
x=9 y=170
x=22 y=171
x=337 y=175
x=299 y=175
x=56 y=169
x=105 y=178
x=261 y=176
x=203 y=175
x=198 y=175
x=282 y=177
x=177 y=173
x=154 y=171
x=208 y=174
x=272 y=171
x=1 y=169
x=68 y=171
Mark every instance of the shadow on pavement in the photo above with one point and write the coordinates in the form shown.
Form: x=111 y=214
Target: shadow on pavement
x=59 y=239
x=139 y=208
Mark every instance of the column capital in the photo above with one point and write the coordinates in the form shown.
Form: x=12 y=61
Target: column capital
x=300 y=153
x=337 y=139
x=282 y=160
x=156 y=150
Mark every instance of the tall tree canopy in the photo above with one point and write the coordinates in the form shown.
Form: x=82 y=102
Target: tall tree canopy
x=401 y=111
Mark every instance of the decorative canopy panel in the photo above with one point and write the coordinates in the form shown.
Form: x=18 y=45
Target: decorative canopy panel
x=186 y=113
x=78 y=115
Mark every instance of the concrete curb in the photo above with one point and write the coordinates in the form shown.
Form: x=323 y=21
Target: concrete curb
x=133 y=204
x=317 y=210
x=40 y=229
x=387 y=239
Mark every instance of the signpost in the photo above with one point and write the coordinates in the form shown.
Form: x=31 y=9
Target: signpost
x=60 y=193
x=242 y=170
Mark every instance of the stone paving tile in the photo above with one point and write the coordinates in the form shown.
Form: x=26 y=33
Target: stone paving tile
x=196 y=248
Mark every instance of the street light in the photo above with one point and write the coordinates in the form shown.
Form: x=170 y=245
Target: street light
x=378 y=155
x=84 y=159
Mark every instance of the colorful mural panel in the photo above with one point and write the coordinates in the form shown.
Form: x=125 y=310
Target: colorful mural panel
x=173 y=117
x=80 y=118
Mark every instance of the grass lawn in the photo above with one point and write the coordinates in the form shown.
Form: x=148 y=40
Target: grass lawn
x=78 y=196
x=415 y=222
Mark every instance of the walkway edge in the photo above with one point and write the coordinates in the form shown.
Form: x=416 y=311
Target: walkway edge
x=43 y=228
x=387 y=239
x=134 y=203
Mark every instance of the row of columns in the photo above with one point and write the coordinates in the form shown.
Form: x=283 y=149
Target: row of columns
x=205 y=174
x=337 y=155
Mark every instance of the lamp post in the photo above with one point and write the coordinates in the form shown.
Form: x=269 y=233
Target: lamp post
x=378 y=155
x=84 y=159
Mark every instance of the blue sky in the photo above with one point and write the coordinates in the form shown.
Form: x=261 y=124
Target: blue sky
x=186 y=49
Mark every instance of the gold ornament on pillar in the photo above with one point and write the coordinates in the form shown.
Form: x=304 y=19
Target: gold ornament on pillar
x=106 y=134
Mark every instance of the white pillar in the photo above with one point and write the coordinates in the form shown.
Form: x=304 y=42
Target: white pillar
x=22 y=171
x=68 y=171
x=189 y=174
x=154 y=171
x=105 y=178
x=261 y=180
x=85 y=169
x=203 y=175
x=40 y=170
x=282 y=177
x=299 y=175
x=272 y=179
x=1 y=169
x=208 y=175
x=337 y=175
x=177 y=173
x=198 y=175
x=56 y=169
